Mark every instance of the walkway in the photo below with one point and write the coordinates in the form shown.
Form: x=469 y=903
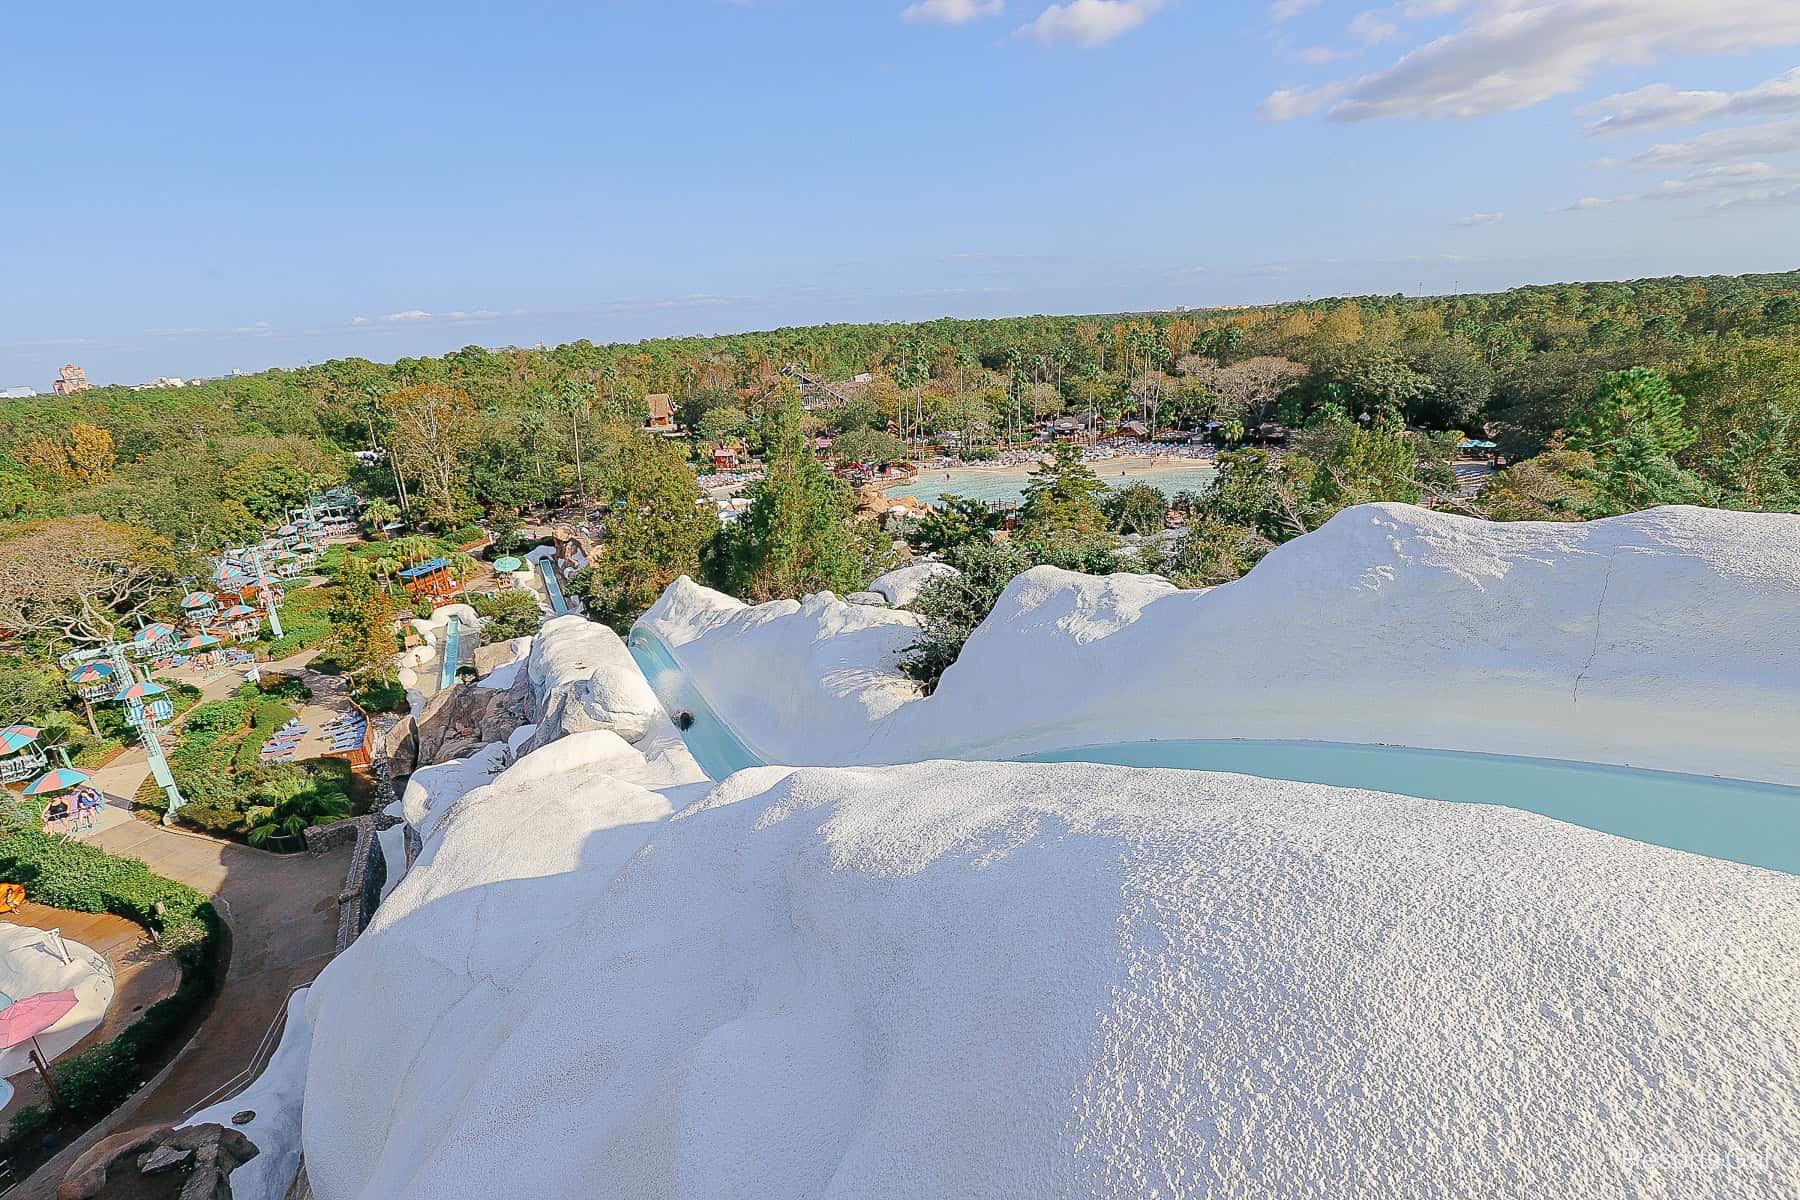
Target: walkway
x=121 y=778
x=282 y=911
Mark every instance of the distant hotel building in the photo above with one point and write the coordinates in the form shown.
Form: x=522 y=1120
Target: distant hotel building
x=69 y=380
x=17 y=393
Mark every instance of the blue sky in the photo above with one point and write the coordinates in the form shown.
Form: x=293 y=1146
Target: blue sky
x=199 y=187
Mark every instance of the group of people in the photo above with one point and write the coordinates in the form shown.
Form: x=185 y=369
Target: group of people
x=75 y=812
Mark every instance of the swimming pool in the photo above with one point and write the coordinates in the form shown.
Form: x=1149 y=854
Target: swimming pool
x=714 y=745
x=1752 y=823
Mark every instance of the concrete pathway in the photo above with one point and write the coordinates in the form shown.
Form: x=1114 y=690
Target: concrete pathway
x=282 y=913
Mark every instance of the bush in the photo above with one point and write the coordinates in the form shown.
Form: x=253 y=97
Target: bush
x=381 y=695
x=507 y=615
x=84 y=878
x=466 y=535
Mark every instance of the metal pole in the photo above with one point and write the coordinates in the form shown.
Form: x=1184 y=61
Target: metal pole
x=268 y=593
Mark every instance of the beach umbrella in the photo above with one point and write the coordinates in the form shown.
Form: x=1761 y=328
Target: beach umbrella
x=89 y=673
x=156 y=631
x=197 y=600
x=200 y=641
x=238 y=612
x=508 y=565
x=15 y=738
x=22 y=1021
x=57 y=779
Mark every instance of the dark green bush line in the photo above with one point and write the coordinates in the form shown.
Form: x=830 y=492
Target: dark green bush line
x=83 y=878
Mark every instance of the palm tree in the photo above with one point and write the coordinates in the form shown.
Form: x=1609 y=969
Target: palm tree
x=377 y=515
x=575 y=399
x=292 y=807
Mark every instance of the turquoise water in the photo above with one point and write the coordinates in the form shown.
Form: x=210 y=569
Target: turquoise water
x=1752 y=823
x=712 y=743
x=1007 y=486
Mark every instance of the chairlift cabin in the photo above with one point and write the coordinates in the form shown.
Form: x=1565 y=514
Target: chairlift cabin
x=156 y=640
x=144 y=701
x=21 y=754
x=95 y=682
x=241 y=622
x=200 y=608
x=431 y=580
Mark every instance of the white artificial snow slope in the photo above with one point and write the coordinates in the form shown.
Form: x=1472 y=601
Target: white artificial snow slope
x=583 y=677
x=1664 y=639
x=903 y=586
x=801 y=682
x=999 y=980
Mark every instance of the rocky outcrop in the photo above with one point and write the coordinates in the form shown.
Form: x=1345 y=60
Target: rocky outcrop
x=205 y=1155
x=461 y=718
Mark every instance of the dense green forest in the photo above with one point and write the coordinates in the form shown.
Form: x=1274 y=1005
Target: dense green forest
x=1602 y=398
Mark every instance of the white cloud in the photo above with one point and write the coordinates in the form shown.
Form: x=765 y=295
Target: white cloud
x=1289 y=103
x=1480 y=218
x=1372 y=28
x=1320 y=55
x=1660 y=106
x=1728 y=186
x=1724 y=146
x=1511 y=54
x=411 y=314
x=1089 y=22
x=952 y=12
x=1287 y=10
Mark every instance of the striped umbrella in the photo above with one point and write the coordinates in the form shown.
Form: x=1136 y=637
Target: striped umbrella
x=200 y=641
x=156 y=631
x=198 y=600
x=238 y=612
x=57 y=779
x=94 y=672
x=15 y=738
x=142 y=690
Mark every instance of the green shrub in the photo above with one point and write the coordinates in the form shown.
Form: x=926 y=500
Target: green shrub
x=74 y=875
x=467 y=535
x=507 y=615
x=381 y=695
x=29 y=1125
x=84 y=878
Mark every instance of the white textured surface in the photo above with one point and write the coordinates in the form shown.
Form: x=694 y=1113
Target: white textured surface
x=801 y=682
x=583 y=677
x=275 y=1097
x=959 y=980
x=1664 y=639
x=901 y=587
x=30 y=966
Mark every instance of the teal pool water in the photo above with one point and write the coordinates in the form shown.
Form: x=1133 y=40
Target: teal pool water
x=712 y=743
x=1752 y=823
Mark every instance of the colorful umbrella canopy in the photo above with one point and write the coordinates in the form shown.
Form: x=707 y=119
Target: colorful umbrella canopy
x=286 y=531
x=57 y=779
x=238 y=612
x=200 y=641
x=197 y=600
x=142 y=690
x=94 y=672
x=155 y=632
x=508 y=565
x=15 y=738
x=25 y=1019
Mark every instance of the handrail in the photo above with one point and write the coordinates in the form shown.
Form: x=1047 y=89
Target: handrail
x=259 y=1061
